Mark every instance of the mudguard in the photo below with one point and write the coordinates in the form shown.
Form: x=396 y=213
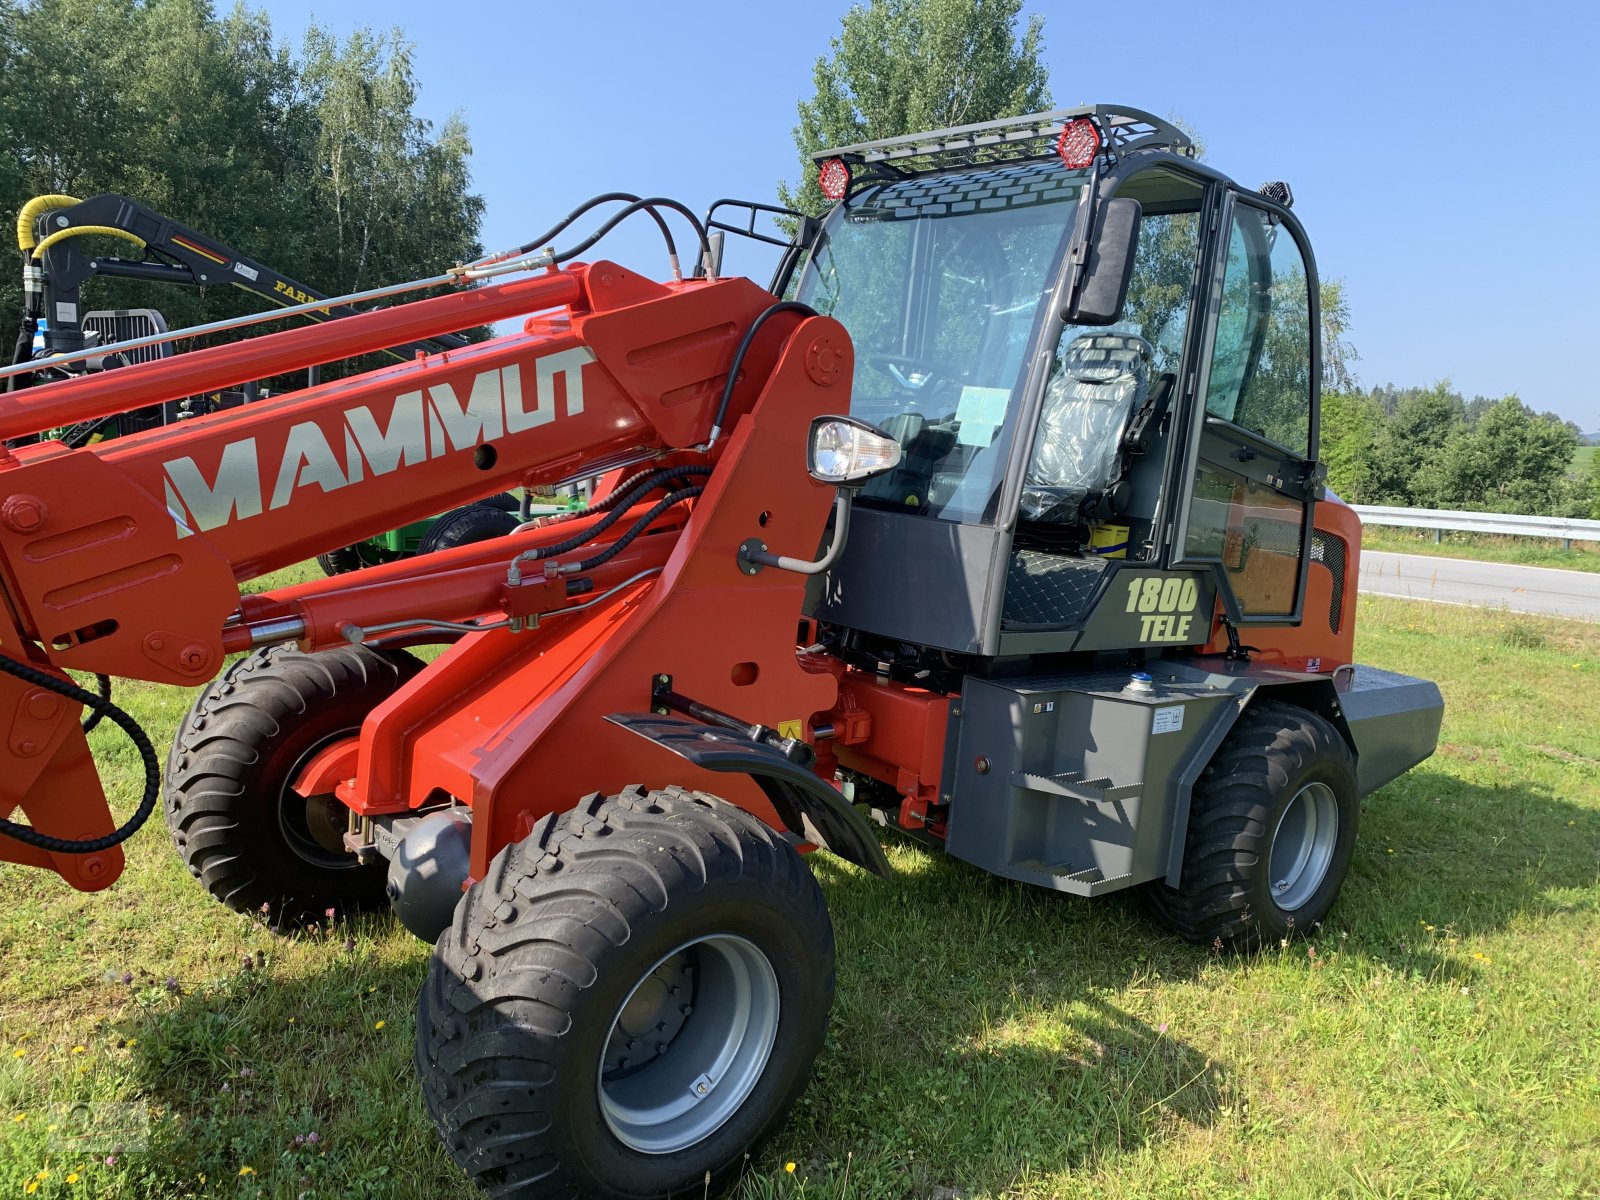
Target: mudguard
x=809 y=807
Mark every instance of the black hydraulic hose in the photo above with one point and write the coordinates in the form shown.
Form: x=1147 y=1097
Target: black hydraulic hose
x=617 y=493
x=560 y=226
x=141 y=742
x=657 y=479
x=781 y=306
x=638 y=527
x=102 y=687
x=649 y=205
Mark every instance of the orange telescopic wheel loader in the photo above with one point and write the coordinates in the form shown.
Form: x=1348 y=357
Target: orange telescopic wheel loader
x=1007 y=526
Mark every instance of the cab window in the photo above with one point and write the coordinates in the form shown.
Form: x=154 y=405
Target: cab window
x=1261 y=362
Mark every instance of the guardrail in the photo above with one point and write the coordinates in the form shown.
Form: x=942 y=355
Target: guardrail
x=1566 y=529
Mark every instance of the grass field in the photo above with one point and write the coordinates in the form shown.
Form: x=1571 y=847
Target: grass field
x=1583 y=458
x=1439 y=1038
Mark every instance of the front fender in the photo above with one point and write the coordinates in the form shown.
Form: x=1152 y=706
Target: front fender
x=809 y=807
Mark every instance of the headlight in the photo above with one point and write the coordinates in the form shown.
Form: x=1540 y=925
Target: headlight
x=846 y=452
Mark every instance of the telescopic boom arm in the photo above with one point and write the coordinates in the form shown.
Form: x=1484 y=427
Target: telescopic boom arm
x=125 y=558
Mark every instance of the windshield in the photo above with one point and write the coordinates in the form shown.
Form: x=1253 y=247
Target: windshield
x=939 y=280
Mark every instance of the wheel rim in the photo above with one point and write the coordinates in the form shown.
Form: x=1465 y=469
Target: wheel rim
x=313 y=827
x=1303 y=844
x=689 y=1044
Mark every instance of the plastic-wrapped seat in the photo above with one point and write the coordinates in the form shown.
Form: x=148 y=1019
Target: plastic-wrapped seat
x=1077 y=453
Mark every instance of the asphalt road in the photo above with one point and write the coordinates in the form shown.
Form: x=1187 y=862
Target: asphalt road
x=1492 y=585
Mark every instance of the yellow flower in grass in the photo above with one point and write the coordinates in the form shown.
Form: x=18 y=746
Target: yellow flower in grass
x=379 y=1024
x=789 y=1167
x=18 y=1053
x=247 y=1169
x=31 y=1186
x=72 y=1177
x=79 y=1049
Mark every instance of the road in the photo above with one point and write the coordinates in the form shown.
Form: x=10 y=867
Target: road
x=1492 y=585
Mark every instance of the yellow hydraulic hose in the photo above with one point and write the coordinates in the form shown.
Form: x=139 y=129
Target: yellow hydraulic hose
x=30 y=210
x=62 y=234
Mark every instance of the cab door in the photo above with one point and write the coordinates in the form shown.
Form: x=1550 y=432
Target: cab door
x=1250 y=476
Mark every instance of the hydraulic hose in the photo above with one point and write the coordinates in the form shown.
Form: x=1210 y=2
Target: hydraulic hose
x=654 y=480
x=102 y=687
x=638 y=527
x=783 y=306
x=31 y=210
x=650 y=206
x=101 y=707
x=61 y=235
x=562 y=225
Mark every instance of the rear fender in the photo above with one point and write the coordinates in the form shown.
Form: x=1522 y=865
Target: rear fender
x=808 y=806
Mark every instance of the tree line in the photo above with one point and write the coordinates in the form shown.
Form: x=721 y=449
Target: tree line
x=310 y=159
x=1434 y=448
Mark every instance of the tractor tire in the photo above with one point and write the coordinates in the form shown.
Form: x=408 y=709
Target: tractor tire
x=239 y=827
x=1272 y=828
x=342 y=561
x=465 y=525
x=629 y=1001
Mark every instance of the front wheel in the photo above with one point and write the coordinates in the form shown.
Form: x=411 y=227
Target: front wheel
x=629 y=1001
x=235 y=817
x=1272 y=829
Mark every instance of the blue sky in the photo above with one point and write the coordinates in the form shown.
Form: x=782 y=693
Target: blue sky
x=1442 y=155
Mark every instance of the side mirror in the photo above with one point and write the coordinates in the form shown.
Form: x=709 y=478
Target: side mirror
x=1103 y=285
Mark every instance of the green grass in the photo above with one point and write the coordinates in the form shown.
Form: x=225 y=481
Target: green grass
x=1532 y=552
x=1438 y=1039
x=1582 y=459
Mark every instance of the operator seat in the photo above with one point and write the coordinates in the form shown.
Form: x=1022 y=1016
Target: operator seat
x=1073 y=474
x=1077 y=452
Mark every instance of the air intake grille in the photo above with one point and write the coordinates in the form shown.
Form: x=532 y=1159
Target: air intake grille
x=1330 y=552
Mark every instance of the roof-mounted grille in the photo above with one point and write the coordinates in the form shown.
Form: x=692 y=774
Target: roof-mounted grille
x=1122 y=130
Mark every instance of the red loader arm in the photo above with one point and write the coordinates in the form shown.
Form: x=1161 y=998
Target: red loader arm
x=125 y=558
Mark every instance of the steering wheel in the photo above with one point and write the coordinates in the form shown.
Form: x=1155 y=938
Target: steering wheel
x=911 y=373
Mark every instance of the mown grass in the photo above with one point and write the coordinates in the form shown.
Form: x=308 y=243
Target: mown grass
x=1440 y=1038
x=1484 y=547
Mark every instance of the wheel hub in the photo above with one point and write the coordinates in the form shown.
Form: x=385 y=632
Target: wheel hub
x=652 y=1017
x=689 y=1044
x=1302 y=845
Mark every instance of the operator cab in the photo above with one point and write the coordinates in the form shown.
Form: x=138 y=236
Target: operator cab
x=1065 y=442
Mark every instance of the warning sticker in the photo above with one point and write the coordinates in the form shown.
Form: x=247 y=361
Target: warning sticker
x=789 y=729
x=1167 y=720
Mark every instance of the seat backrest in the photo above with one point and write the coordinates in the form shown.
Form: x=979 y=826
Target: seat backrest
x=1102 y=379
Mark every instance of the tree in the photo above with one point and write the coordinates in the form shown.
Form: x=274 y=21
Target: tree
x=396 y=192
x=1338 y=353
x=1405 y=447
x=902 y=66
x=1509 y=460
x=1350 y=425
x=213 y=122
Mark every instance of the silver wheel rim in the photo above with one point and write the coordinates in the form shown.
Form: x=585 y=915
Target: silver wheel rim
x=1302 y=845
x=689 y=1044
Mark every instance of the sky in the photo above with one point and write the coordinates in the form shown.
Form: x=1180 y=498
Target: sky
x=1439 y=152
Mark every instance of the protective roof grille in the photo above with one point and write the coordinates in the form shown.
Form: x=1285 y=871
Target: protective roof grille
x=1008 y=185
x=1122 y=130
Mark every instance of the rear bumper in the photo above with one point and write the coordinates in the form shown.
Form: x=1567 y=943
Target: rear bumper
x=1393 y=721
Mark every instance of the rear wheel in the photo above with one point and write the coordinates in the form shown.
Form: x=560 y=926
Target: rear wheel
x=1272 y=828
x=239 y=826
x=465 y=525
x=631 y=999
